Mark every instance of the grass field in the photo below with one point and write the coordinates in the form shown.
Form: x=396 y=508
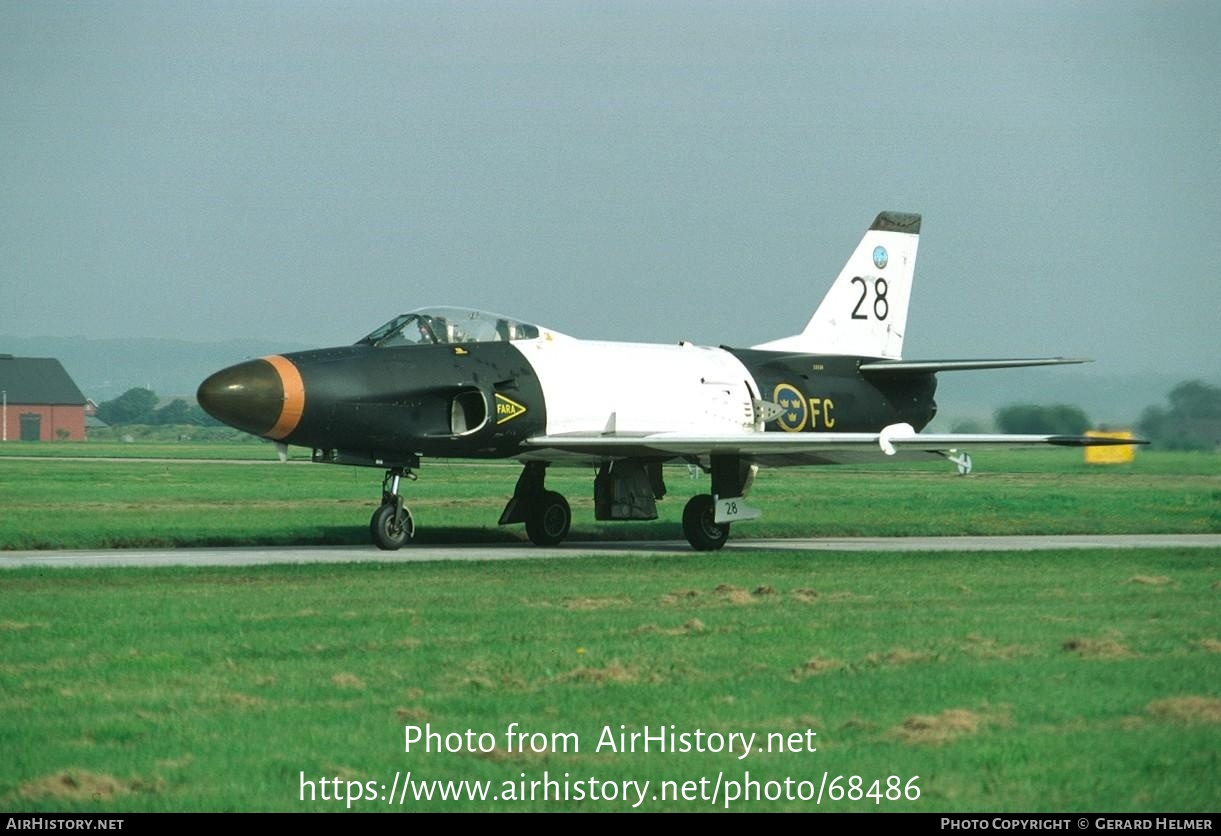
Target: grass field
x=1049 y=681
x=1043 y=681
x=72 y=503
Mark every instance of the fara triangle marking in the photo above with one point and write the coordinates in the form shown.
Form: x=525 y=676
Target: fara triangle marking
x=507 y=409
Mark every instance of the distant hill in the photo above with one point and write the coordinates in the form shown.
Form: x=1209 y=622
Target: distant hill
x=105 y=369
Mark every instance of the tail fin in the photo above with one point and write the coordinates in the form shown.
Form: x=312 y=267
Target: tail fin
x=864 y=313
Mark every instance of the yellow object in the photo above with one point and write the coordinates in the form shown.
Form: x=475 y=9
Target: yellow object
x=1118 y=454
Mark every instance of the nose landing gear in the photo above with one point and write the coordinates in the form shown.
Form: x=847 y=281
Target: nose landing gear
x=392 y=526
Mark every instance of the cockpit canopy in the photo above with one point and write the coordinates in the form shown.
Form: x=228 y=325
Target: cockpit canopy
x=449 y=326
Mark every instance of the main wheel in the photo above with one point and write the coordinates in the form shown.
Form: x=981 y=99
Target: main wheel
x=702 y=530
x=548 y=520
x=386 y=534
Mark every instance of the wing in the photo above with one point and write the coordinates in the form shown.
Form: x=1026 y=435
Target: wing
x=897 y=367
x=778 y=448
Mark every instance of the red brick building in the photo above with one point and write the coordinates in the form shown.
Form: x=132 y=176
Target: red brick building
x=39 y=401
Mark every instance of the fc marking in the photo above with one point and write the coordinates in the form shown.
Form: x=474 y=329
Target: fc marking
x=800 y=411
x=507 y=409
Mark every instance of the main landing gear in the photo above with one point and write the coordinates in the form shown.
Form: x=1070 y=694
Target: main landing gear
x=545 y=513
x=700 y=527
x=548 y=519
x=628 y=490
x=391 y=525
x=706 y=517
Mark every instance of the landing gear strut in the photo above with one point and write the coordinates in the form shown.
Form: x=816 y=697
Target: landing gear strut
x=731 y=479
x=545 y=513
x=392 y=526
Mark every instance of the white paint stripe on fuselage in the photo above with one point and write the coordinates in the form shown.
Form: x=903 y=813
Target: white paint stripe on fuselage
x=592 y=387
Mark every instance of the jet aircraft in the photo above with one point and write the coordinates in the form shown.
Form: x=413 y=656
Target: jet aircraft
x=460 y=383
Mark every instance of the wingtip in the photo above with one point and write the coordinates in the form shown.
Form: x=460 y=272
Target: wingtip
x=1093 y=441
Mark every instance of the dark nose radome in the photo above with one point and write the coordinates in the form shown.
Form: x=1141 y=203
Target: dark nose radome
x=263 y=397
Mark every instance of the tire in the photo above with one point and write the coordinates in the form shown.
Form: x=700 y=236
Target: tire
x=548 y=520
x=386 y=535
x=700 y=526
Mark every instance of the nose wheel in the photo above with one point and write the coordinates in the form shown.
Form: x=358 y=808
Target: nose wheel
x=391 y=527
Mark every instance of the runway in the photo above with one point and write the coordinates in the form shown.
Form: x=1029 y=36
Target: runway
x=260 y=556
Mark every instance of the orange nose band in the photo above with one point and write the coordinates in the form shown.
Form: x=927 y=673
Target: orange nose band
x=294 y=397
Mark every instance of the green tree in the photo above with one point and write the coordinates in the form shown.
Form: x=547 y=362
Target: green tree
x=135 y=406
x=176 y=411
x=196 y=416
x=969 y=425
x=1060 y=419
x=1192 y=421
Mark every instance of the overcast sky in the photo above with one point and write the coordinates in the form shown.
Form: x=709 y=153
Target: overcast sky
x=303 y=171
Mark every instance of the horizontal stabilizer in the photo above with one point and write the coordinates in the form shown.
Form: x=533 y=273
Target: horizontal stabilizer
x=930 y=366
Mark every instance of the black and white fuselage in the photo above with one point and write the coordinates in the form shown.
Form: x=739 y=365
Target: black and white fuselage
x=460 y=383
